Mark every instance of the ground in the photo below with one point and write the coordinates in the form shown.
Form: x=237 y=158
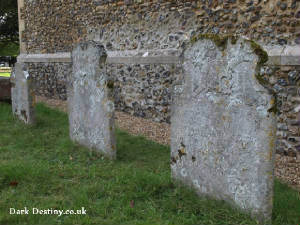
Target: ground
x=40 y=167
x=287 y=167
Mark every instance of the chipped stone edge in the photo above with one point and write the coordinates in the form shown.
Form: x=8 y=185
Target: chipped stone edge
x=278 y=56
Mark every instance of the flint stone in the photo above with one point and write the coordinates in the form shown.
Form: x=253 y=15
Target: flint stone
x=22 y=94
x=90 y=103
x=222 y=134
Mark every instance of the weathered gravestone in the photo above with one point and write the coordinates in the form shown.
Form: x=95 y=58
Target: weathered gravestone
x=222 y=127
x=22 y=94
x=90 y=103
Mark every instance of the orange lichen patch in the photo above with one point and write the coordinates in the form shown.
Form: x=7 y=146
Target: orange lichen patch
x=224 y=118
x=272 y=136
x=272 y=102
x=270 y=155
x=33 y=97
x=181 y=152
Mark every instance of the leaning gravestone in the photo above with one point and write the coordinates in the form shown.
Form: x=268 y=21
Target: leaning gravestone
x=22 y=94
x=90 y=103
x=222 y=127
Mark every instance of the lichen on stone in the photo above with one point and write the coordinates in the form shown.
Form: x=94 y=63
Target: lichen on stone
x=220 y=40
x=262 y=54
x=110 y=84
x=274 y=108
x=260 y=78
x=262 y=59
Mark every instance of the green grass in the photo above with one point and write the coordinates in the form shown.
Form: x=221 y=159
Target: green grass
x=4 y=74
x=52 y=172
x=9 y=48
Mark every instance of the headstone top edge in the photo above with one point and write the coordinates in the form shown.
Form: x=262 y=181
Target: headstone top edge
x=221 y=41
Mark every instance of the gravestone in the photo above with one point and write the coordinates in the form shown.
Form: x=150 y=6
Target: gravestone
x=90 y=103
x=5 y=89
x=222 y=127
x=22 y=94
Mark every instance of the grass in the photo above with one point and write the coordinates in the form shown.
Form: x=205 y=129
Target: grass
x=4 y=74
x=40 y=167
x=8 y=48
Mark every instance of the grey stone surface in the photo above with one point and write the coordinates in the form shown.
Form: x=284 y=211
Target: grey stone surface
x=59 y=57
x=22 y=94
x=159 y=56
x=90 y=103
x=278 y=55
x=144 y=90
x=222 y=134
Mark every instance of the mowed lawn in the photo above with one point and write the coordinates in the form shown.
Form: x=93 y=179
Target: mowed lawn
x=40 y=167
x=4 y=74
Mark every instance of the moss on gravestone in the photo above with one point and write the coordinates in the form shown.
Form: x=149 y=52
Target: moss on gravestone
x=220 y=40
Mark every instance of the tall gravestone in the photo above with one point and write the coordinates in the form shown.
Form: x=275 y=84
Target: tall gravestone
x=22 y=94
x=90 y=103
x=222 y=127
